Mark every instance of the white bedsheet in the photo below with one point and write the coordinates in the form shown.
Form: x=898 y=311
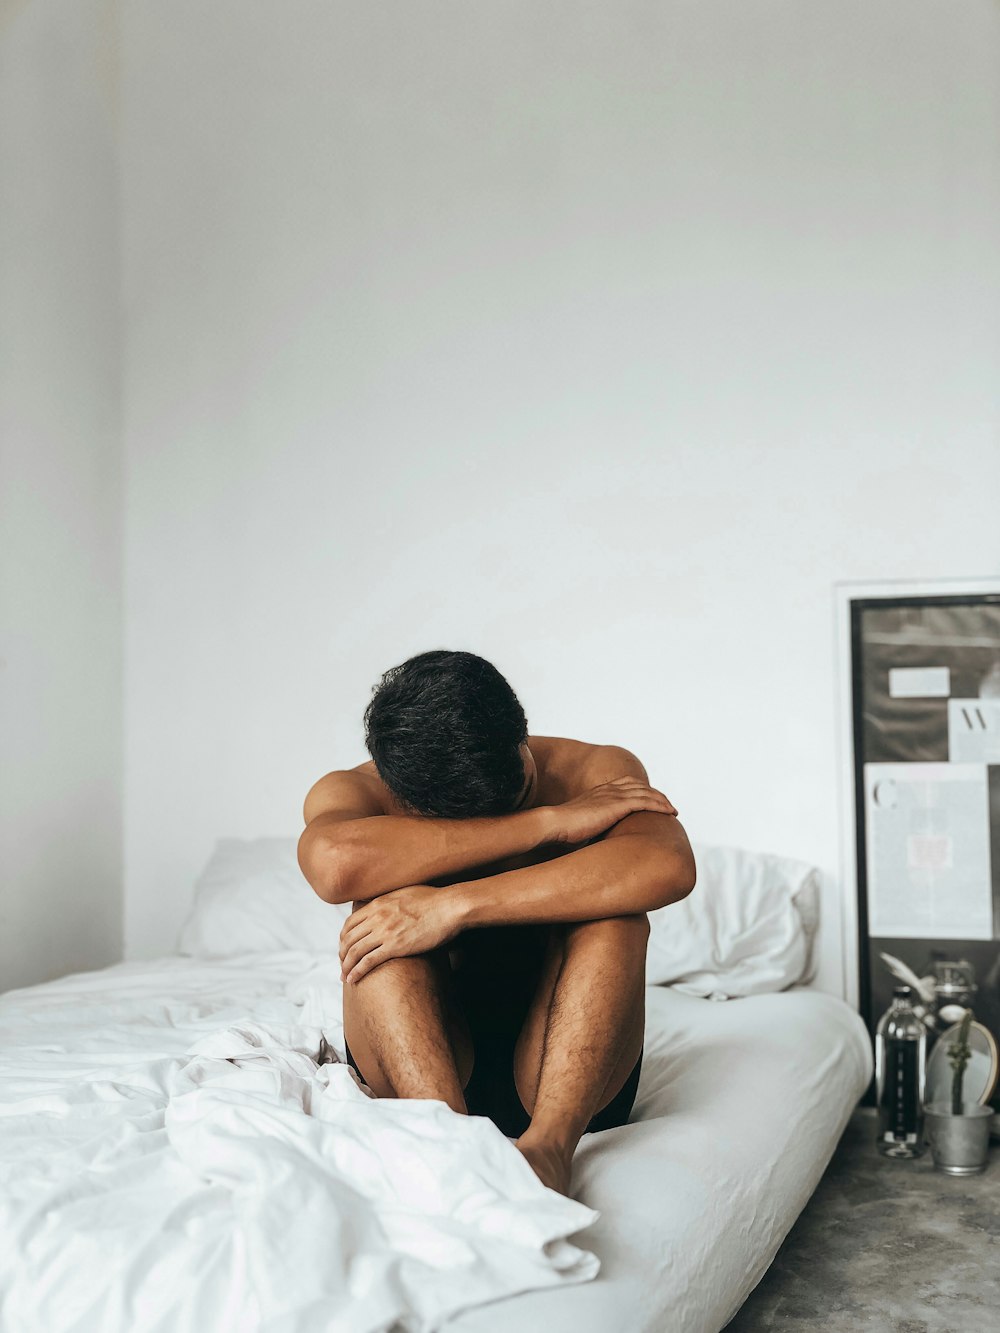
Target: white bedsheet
x=741 y=1104
x=208 y=1198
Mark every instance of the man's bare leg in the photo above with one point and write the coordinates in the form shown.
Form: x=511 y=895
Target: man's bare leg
x=581 y=1038
x=406 y=1037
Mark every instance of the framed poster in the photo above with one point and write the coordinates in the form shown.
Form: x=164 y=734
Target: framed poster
x=920 y=795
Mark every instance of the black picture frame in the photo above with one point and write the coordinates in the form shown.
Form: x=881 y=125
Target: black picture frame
x=955 y=624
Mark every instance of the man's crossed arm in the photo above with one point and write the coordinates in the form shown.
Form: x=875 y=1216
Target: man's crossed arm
x=638 y=859
x=641 y=863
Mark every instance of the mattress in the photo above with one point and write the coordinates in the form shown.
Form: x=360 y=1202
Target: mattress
x=739 y=1108
x=741 y=1104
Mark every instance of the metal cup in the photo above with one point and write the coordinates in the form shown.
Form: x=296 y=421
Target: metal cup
x=959 y=1143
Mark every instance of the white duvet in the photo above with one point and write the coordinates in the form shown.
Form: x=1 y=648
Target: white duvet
x=173 y=1158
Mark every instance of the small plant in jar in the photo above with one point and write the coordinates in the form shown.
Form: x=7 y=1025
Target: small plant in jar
x=958 y=1131
x=959 y=1052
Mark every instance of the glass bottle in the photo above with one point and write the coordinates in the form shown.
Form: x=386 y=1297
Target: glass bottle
x=900 y=1065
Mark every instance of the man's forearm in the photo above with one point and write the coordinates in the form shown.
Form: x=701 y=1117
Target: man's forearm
x=615 y=877
x=365 y=858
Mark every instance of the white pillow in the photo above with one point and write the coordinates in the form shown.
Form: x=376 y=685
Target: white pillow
x=253 y=898
x=747 y=927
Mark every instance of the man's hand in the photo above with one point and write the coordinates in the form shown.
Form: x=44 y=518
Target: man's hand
x=406 y=921
x=595 y=811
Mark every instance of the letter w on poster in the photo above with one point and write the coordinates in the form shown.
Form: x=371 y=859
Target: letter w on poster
x=928 y=851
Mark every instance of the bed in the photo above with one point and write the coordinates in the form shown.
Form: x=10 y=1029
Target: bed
x=181 y=1149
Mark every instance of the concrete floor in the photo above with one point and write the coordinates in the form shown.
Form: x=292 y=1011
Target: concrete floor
x=886 y=1246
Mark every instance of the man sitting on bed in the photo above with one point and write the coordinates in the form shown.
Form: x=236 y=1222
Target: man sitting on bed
x=495 y=955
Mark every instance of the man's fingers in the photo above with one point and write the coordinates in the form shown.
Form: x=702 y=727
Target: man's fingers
x=660 y=798
x=352 y=923
x=352 y=926
x=358 y=951
x=624 y=784
x=635 y=790
x=666 y=807
x=370 y=960
x=352 y=931
x=347 y=944
x=665 y=799
x=654 y=803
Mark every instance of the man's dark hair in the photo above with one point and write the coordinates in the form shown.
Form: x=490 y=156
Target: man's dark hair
x=444 y=729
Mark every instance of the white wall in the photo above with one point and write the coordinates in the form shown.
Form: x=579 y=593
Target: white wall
x=600 y=340
x=60 y=493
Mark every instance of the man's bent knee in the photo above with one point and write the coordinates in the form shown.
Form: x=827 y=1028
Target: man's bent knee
x=420 y=969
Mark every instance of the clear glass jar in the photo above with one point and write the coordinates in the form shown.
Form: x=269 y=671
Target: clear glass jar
x=900 y=1074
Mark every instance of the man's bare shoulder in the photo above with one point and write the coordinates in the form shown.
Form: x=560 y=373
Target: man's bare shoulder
x=349 y=792
x=568 y=767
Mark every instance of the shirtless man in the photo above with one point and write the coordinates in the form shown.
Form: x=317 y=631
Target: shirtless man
x=495 y=955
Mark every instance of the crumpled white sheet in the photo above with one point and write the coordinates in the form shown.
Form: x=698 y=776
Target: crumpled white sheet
x=359 y=1212
x=278 y=1192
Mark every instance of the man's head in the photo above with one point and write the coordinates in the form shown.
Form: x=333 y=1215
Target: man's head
x=449 y=737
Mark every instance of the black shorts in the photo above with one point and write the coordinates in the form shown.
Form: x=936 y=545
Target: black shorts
x=494 y=985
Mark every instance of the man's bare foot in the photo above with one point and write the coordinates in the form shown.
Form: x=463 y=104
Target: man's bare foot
x=550 y=1162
